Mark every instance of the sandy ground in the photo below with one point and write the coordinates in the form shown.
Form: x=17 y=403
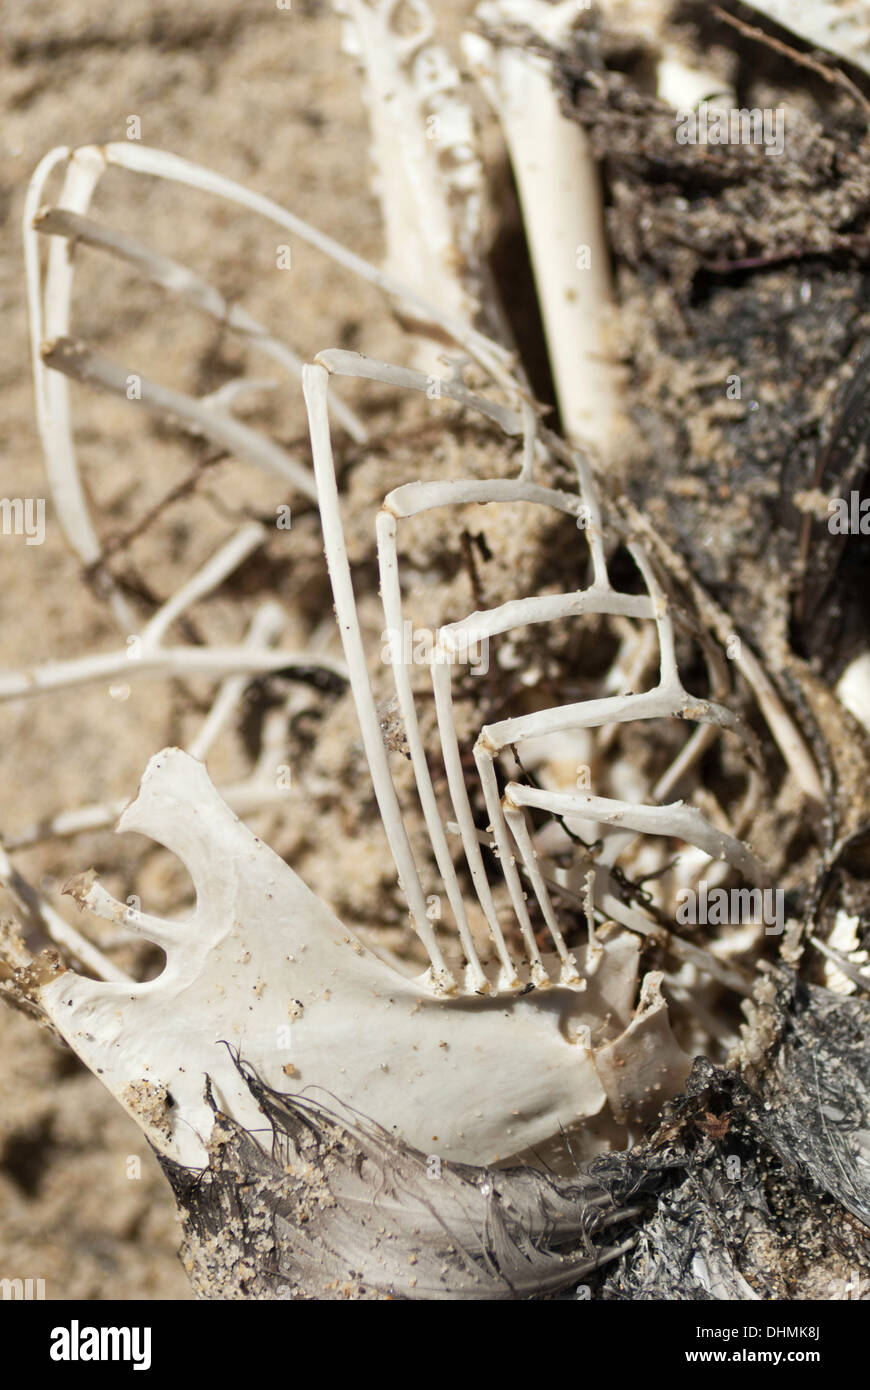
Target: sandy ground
x=264 y=96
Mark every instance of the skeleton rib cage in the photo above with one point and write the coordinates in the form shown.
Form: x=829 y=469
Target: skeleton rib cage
x=508 y=814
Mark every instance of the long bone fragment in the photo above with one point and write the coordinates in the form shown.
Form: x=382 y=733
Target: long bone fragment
x=560 y=194
x=841 y=26
x=424 y=148
x=179 y=279
x=146 y=655
x=77 y=360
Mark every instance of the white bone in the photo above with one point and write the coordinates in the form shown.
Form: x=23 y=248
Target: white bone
x=424 y=148
x=264 y=631
x=560 y=193
x=853 y=689
x=668 y=699
x=264 y=966
x=841 y=26
x=75 y=359
x=178 y=279
x=34 y=906
x=164 y=661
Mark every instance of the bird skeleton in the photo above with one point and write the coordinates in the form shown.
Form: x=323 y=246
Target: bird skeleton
x=512 y=1032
